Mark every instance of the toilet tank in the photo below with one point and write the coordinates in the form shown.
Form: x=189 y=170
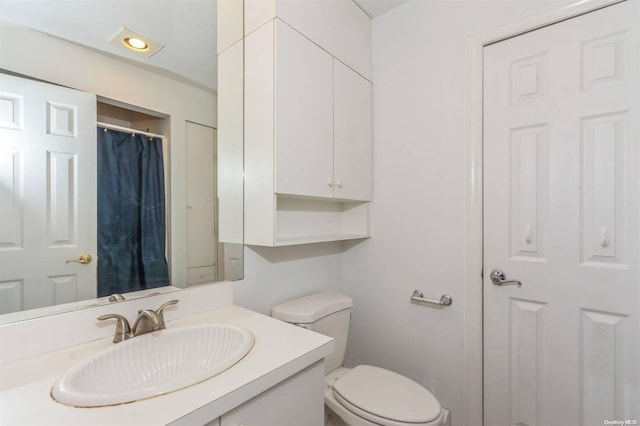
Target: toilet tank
x=326 y=313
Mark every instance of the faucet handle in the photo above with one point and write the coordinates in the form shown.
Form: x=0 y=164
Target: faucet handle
x=123 y=330
x=116 y=297
x=165 y=304
x=160 y=312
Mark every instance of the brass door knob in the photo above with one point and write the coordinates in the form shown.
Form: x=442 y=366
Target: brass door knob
x=84 y=259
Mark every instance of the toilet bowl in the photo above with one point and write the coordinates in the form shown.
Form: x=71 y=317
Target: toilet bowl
x=372 y=397
x=365 y=395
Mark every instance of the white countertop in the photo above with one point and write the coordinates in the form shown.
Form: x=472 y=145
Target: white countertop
x=280 y=350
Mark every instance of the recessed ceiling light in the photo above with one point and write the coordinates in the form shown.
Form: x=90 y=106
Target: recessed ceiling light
x=135 y=42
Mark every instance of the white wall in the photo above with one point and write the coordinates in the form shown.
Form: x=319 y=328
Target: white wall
x=275 y=274
x=418 y=209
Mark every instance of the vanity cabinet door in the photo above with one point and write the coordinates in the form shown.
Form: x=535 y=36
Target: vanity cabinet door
x=352 y=151
x=303 y=115
x=298 y=400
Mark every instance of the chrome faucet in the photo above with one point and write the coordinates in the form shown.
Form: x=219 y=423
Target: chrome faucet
x=147 y=321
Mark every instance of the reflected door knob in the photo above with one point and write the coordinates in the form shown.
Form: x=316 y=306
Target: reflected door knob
x=83 y=259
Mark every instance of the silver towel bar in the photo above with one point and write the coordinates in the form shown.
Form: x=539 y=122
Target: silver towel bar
x=445 y=300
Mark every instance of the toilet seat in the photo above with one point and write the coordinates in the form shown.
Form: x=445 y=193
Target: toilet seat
x=386 y=398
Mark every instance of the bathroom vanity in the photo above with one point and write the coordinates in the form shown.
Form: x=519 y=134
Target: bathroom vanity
x=279 y=382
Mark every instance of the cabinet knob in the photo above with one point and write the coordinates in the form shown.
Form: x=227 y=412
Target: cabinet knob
x=339 y=183
x=330 y=183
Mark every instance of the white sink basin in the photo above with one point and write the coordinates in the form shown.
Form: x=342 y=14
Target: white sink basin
x=153 y=364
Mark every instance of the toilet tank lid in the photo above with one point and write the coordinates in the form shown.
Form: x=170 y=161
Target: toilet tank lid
x=311 y=308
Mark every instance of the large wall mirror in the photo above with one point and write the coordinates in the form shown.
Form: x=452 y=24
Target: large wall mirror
x=121 y=167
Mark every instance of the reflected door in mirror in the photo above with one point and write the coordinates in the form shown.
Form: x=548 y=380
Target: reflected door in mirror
x=47 y=194
x=202 y=233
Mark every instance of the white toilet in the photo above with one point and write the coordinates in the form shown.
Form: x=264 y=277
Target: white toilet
x=364 y=395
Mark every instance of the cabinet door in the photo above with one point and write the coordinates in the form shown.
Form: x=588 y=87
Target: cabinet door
x=304 y=115
x=298 y=400
x=352 y=134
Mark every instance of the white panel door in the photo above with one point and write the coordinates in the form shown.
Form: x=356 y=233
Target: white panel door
x=202 y=240
x=352 y=149
x=561 y=214
x=47 y=194
x=304 y=115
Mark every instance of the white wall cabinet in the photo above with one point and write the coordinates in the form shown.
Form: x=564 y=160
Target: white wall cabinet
x=303 y=115
x=339 y=27
x=307 y=142
x=322 y=122
x=352 y=127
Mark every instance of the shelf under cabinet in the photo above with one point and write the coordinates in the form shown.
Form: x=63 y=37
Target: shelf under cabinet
x=317 y=239
x=308 y=220
x=305 y=220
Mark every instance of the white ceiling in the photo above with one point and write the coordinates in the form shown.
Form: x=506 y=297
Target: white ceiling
x=375 y=8
x=187 y=29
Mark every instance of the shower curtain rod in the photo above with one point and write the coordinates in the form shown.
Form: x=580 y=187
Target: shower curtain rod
x=126 y=129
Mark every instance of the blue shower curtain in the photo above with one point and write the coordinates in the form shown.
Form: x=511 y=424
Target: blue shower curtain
x=131 y=213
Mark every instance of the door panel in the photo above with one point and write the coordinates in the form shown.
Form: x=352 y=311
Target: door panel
x=561 y=189
x=202 y=238
x=304 y=115
x=352 y=128
x=47 y=194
